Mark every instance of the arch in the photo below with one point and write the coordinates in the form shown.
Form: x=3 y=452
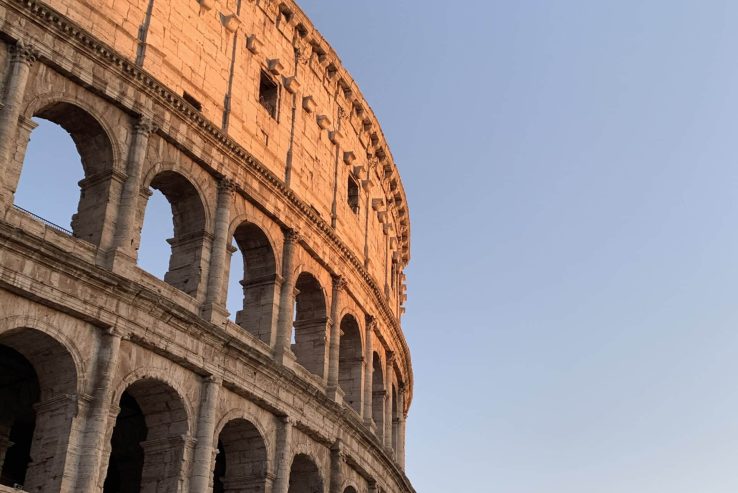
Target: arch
x=310 y=324
x=241 y=462
x=350 y=361
x=94 y=217
x=395 y=414
x=305 y=476
x=378 y=394
x=259 y=281
x=349 y=489
x=38 y=389
x=189 y=224
x=148 y=440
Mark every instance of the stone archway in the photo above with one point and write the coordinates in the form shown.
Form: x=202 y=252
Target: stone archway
x=148 y=441
x=38 y=389
x=241 y=462
x=305 y=476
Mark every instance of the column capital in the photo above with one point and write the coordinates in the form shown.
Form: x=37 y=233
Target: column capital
x=292 y=235
x=24 y=52
x=288 y=420
x=339 y=282
x=144 y=126
x=226 y=185
x=371 y=322
x=390 y=357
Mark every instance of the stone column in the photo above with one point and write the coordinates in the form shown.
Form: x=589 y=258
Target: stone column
x=50 y=449
x=388 y=381
x=124 y=240
x=93 y=442
x=369 y=370
x=373 y=487
x=286 y=296
x=202 y=467
x=338 y=457
x=335 y=341
x=400 y=452
x=214 y=307
x=284 y=456
x=22 y=56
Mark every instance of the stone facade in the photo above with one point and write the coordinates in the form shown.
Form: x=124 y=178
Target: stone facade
x=242 y=116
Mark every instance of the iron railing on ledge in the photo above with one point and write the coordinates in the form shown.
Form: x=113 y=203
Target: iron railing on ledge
x=45 y=221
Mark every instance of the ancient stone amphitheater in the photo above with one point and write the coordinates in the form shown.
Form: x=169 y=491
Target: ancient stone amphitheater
x=242 y=116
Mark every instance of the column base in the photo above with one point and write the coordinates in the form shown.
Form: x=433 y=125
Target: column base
x=120 y=262
x=336 y=394
x=215 y=314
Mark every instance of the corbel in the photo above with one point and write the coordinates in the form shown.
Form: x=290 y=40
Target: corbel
x=323 y=121
x=253 y=44
x=291 y=84
x=308 y=104
x=275 y=66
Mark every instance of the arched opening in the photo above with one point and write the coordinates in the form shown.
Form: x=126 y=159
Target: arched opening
x=378 y=395
x=310 y=324
x=147 y=445
x=256 y=276
x=305 y=476
x=66 y=173
x=349 y=489
x=241 y=463
x=395 y=419
x=350 y=358
x=38 y=381
x=186 y=218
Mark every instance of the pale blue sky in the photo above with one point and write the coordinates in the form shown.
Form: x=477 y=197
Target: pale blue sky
x=571 y=170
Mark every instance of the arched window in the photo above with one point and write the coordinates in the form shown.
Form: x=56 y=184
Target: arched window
x=310 y=324
x=187 y=219
x=395 y=418
x=241 y=462
x=253 y=280
x=147 y=446
x=378 y=395
x=350 y=362
x=304 y=476
x=66 y=174
x=36 y=373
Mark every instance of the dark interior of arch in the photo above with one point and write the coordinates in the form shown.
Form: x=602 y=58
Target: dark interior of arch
x=19 y=391
x=378 y=394
x=151 y=413
x=310 y=324
x=305 y=476
x=258 y=281
x=350 y=361
x=96 y=155
x=188 y=219
x=349 y=489
x=241 y=464
x=126 y=456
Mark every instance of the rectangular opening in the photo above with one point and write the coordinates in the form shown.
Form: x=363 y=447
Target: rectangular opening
x=190 y=99
x=353 y=194
x=268 y=94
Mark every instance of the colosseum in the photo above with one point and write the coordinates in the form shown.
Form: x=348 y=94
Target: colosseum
x=241 y=114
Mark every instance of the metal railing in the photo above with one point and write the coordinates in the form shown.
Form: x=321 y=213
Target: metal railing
x=45 y=221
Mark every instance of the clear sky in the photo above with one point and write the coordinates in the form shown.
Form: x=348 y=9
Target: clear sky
x=571 y=170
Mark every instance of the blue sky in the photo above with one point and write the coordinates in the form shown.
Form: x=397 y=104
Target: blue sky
x=571 y=175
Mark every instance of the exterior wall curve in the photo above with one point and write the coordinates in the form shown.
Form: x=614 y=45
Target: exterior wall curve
x=181 y=94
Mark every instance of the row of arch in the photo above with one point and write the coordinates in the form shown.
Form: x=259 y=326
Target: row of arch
x=260 y=278
x=146 y=447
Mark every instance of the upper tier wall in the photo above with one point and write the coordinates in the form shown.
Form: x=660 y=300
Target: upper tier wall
x=323 y=133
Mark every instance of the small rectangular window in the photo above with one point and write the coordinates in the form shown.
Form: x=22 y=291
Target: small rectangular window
x=353 y=194
x=268 y=94
x=190 y=99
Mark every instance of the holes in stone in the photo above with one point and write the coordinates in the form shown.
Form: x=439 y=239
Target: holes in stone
x=268 y=94
x=352 y=194
x=192 y=100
